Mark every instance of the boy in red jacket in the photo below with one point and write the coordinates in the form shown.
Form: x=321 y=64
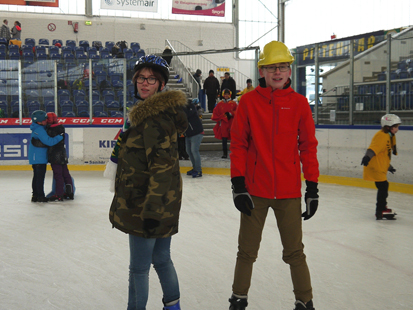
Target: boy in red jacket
x=272 y=133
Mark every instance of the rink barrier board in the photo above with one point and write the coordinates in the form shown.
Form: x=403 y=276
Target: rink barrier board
x=345 y=181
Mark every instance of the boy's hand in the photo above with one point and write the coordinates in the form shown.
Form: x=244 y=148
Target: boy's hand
x=311 y=200
x=242 y=199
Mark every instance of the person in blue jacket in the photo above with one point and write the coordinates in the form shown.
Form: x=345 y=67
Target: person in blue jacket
x=38 y=155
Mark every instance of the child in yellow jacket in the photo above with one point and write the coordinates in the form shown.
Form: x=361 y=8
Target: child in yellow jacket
x=377 y=162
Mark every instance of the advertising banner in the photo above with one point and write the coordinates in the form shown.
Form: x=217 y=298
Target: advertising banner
x=68 y=121
x=130 y=5
x=199 y=7
x=98 y=145
x=15 y=146
x=335 y=50
x=50 y=3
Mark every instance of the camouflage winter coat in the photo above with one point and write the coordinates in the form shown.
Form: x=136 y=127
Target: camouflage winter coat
x=148 y=181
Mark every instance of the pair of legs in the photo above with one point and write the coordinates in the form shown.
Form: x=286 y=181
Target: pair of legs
x=62 y=176
x=143 y=253
x=192 y=147
x=212 y=100
x=224 y=147
x=288 y=216
x=382 y=194
x=39 y=173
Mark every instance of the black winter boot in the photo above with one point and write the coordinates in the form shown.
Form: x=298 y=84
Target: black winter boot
x=299 y=305
x=238 y=303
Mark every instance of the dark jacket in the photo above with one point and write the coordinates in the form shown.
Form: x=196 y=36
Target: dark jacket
x=16 y=32
x=5 y=32
x=167 y=55
x=231 y=85
x=194 y=122
x=57 y=153
x=211 y=86
x=148 y=182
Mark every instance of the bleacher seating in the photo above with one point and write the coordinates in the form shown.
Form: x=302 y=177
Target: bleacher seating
x=32 y=106
x=116 y=114
x=71 y=44
x=57 y=41
x=43 y=42
x=4 y=107
x=98 y=106
x=66 y=106
x=49 y=106
x=68 y=114
x=84 y=44
x=109 y=45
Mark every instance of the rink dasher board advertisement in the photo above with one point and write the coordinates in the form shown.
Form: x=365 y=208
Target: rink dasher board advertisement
x=67 y=121
x=89 y=146
x=130 y=5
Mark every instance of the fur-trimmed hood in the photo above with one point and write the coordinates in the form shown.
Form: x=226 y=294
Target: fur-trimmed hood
x=170 y=102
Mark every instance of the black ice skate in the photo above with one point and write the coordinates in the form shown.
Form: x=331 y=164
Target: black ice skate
x=238 y=303
x=387 y=214
x=299 y=305
x=56 y=198
x=68 y=192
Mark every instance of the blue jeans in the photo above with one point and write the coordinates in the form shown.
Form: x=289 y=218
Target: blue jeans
x=143 y=253
x=192 y=148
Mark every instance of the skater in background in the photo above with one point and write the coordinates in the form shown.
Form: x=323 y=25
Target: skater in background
x=273 y=132
x=38 y=155
x=246 y=89
x=193 y=137
x=58 y=159
x=223 y=114
x=376 y=162
x=148 y=186
x=167 y=55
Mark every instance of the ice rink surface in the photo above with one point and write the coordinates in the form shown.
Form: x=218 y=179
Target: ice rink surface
x=67 y=256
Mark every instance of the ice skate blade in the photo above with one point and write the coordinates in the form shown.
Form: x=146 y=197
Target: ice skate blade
x=386 y=218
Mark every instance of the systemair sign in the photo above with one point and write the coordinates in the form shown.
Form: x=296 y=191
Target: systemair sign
x=136 y=5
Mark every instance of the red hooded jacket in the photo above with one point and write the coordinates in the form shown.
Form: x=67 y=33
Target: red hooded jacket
x=272 y=132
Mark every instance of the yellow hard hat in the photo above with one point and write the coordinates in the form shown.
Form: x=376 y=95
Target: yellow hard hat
x=275 y=52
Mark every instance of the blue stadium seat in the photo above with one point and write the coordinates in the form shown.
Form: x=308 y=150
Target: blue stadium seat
x=97 y=43
x=33 y=105
x=55 y=56
x=128 y=53
x=49 y=106
x=116 y=80
x=104 y=53
x=66 y=106
x=57 y=41
x=95 y=96
x=109 y=45
x=108 y=97
x=3 y=55
x=62 y=95
x=135 y=45
x=78 y=95
x=26 y=48
x=32 y=94
x=41 y=56
x=82 y=105
x=68 y=114
x=66 y=50
x=98 y=106
x=13 y=49
x=43 y=42
x=14 y=56
x=140 y=53
x=71 y=44
x=83 y=113
x=30 y=41
x=54 y=50
x=116 y=113
x=100 y=114
x=84 y=44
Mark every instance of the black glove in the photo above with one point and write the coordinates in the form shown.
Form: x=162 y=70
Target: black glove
x=149 y=224
x=311 y=200
x=394 y=150
x=392 y=170
x=365 y=161
x=38 y=143
x=229 y=115
x=242 y=199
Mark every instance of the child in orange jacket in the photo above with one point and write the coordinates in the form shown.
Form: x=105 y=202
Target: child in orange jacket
x=223 y=114
x=376 y=162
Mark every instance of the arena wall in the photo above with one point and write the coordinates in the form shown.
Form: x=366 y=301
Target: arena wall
x=213 y=35
x=340 y=150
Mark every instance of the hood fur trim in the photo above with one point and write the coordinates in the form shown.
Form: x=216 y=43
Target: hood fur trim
x=156 y=104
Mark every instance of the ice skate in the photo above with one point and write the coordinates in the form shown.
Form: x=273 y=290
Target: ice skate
x=56 y=198
x=190 y=172
x=196 y=174
x=299 y=305
x=34 y=199
x=42 y=199
x=387 y=214
x=238 y=303
x=68 y=192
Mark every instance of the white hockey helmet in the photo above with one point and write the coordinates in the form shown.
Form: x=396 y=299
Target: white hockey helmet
x=390 y=120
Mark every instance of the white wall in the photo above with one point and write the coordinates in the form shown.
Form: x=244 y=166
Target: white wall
x=339 y=151
x=214 y=35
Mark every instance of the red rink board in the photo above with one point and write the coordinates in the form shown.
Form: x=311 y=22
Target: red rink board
x=83 y=121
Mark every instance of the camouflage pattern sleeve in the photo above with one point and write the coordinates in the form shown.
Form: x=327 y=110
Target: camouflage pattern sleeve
x=158 y=138
x=115 y=152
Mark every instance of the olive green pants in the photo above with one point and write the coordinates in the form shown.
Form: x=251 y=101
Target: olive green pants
x=288 y=215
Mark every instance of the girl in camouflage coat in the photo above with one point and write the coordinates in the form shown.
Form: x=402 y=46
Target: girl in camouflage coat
x=148 y=184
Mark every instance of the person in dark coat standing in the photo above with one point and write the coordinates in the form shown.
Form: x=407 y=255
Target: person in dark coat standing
x=230 y=84
x=211 y=88
x=57 y=156
x=167 y=55
x=193 y=137
x=5 y=31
